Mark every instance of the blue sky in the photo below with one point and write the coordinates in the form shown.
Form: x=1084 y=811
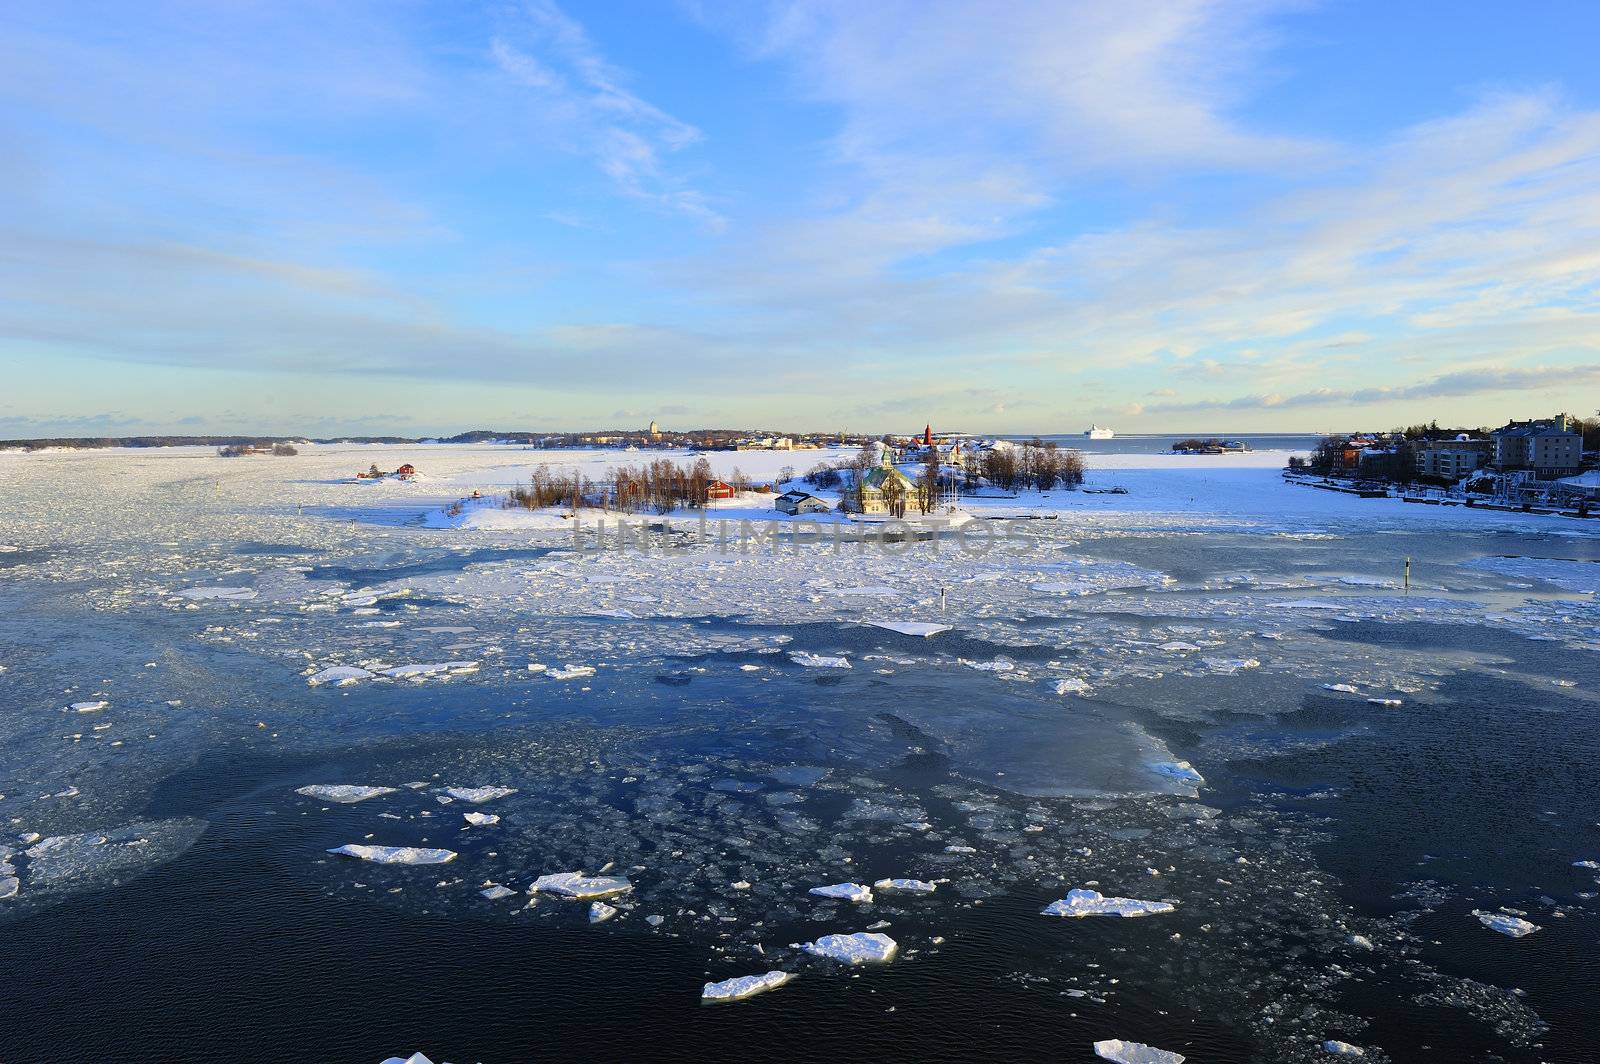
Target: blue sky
x=413 y=218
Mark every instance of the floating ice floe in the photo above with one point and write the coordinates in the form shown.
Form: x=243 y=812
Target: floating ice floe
x=230 y=594
x=1586 y=864
x=997 y=665
x=1342 y=1049
x=817 y=661
x=1081 y=902
x=600 y=912
x=419 y=672
x=905 y=886
x=1230 y=664
x=1391 y=702
x=1072 y=686
x=863 y=947
x=415 y=1058
x=744 y=986
x=570 y=672
x=9 y=886
x=344 y=793
x=338 y=675
x=1181 y=771
x=1343 y=688
x=496 y=892
x=1178 y=646
x=918 y=628
x=1134 y=1053
x=578 y=885
x=479 y=795
x=845 y=892
x=481 y=820
x=407 y=855
x=89 y=707
x=1514 y=926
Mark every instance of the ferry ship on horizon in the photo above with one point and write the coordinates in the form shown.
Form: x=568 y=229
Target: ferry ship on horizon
x=1095 y=432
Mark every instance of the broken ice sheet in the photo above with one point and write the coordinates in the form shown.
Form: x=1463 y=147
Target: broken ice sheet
x=578 y=885
x=862 y=947
x=406 y=855
x=1513 y=926
x=856 y=892
x=744 y=986
x=479 y=795
x=1082 y=902
x=1134 y=1053
x=344 y=793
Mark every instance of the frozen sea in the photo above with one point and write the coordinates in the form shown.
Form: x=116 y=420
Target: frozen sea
x=1212 y=692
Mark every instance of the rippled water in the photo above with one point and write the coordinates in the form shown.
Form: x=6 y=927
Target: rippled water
x=1325 y=874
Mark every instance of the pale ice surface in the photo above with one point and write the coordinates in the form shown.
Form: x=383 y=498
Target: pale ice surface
x=744 y=986
x=917 y=628
x=818 y=661
x=1083 y=902
x=856 y=892
x=1342 y=1049
x=403 y=855
x=1134 y=1053
x=906 y=886
x=344 y=793
x=479 y=795
x=600 y=912
x=861 y=947
x=578 y=885
x=1506 y=924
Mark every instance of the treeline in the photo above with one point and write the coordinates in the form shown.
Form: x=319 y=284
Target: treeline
x=1037 y=464
x=656 y=487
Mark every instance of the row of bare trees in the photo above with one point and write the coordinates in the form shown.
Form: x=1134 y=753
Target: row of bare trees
x=659 y=487
x=1037 y=464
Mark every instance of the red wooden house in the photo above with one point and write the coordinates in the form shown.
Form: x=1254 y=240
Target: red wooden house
x=718 y=490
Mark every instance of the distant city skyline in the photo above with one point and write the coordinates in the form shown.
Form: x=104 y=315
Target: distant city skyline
x=419 y=219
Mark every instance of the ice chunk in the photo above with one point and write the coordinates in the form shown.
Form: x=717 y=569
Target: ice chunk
x=1178 y=646
x=344 y=793
x=906 y=886
x=600 y=912
x=1181 y=771
x=1341 y=687
x=231 y=594
x=921 y=628
x=1385 y=701
x=1230 y=664
x=417 y=672
x=655 y=920
x=8 y=886
x=1342 y=1049
x=481 y=820
x=409 y=855
x=1586 y=864
x=570 y=672
x=1134 y=1053
x=479 y=795
x=817 y=661
x=863 y=947
x=1514 y=926
x=1081 y=902
x=496 y=892
x=578 y=885
x=338 y=675
x=744 y=986
x=845 y=891
x=415 y=1058
x=1071 y=686
x=89 y=707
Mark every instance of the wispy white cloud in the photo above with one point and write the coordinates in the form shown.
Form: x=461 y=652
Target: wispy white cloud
x=548 y=54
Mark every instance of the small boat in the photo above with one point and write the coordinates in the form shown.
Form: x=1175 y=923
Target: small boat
x=1095 y=432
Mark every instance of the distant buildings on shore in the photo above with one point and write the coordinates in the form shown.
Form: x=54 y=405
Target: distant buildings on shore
x=1539 y=462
